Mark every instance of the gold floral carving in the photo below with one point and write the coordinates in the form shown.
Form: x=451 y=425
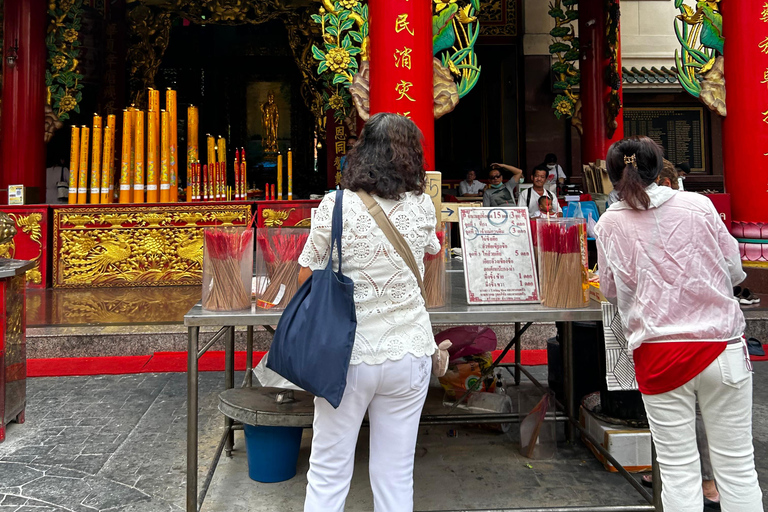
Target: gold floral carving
x=31 y=226
x=135 y=246
x=496 y=21
x=275 y=218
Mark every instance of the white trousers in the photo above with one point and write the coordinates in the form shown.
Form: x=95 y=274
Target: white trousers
x=393 y=393
x=724 y=390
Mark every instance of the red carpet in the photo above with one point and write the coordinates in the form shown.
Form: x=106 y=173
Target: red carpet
x=176 y=362
x=761 y=358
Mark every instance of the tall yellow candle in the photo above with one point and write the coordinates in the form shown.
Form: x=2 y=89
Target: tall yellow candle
x=193 y=125
x=106 y=162
x=132 y=130
x=222 y=150
x=74 y=164
x=138 y=175
x=211 y=147
x=290 y=174
x=95 y=197
x=165 y=157
x=82 y=177
x=125 y=160
x=154 y=105
x=173 y=164
x=152 y=162
x=279 y=177
x=107 y=194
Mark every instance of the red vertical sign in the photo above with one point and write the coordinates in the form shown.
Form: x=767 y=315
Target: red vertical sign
x=401 y=64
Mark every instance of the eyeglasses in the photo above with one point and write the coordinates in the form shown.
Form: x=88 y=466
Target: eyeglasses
x=495 y=176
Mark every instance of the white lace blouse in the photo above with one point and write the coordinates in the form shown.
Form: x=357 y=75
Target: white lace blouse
x=391 y=318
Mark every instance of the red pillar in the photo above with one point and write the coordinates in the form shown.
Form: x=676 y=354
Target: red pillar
x=594 y=89
x=401 y=64
x=23 y=116
x=745 y=129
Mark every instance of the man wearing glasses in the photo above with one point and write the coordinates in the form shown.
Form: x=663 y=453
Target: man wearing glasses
x=499 y=193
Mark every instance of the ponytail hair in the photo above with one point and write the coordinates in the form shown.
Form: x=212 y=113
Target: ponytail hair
x=633 y=164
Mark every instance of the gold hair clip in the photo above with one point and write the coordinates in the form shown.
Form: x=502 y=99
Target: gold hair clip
x=630 y=160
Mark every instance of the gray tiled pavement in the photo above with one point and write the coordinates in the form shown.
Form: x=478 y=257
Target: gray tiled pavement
x=117 y=443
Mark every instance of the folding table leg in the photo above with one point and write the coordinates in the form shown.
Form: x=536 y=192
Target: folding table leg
x=192 y=338
x=229 y=383
x=518 y=353
x=571 y=408
x=656 y=477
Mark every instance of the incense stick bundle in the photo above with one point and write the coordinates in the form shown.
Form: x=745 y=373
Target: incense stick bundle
x=280 y=250
x=562 y=265
x=227 y=269
x=434 y=275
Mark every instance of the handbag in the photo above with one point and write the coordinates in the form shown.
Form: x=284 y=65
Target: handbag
x=440 y=356
x=313 y=341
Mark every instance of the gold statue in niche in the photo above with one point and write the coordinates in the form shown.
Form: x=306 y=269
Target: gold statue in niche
x=270 y=119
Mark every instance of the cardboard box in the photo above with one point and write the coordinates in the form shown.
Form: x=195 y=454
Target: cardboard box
x=631 y=447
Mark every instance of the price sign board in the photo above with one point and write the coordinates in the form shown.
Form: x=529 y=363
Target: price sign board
x=499 y=264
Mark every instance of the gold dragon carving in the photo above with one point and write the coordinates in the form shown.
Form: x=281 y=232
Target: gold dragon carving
x=134 y=248
x=11 y=223
x=275 y=218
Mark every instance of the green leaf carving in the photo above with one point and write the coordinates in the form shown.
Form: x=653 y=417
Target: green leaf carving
x=442 y=29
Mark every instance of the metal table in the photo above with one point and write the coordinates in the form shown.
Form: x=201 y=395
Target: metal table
x=455 y=312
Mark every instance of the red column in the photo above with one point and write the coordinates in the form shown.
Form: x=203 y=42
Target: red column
x=594 y=88
x=745 y=129
x=401 y=64
x=23 y=116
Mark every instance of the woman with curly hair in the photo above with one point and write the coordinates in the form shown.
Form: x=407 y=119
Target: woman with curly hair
x=391 y=357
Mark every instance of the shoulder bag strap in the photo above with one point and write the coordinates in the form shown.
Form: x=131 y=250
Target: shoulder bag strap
x=337 y=225
x=393 y=235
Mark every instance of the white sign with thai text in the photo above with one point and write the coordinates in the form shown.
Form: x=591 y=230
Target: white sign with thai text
x=499 y=264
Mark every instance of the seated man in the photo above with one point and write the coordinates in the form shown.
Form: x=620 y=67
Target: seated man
x=530 y=198
x=470 y=186
x=499 y=193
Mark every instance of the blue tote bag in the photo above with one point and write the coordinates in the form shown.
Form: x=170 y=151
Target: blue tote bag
x=313 y=342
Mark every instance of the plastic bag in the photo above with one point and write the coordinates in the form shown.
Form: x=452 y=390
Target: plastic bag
x=463 y=374
x=269 y=379
x=537 y=437
x=577 y=212
x=591 y=223
x=467 y=340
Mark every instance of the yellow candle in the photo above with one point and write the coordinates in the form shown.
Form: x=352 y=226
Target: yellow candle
x=82 y=178
x=173 y=164
x=96 y=161
x=131 y=130
x=279 y=177
x=152 y=162
x=154 y=105
x=211 y=146
x=222 y=150
x=125 y=160
x=107 y=193
x=165 y=157
x=138 y=175
x=105 y=164
x=290 y=174
x=192 y=138
x=243 y=176
x=74 y=164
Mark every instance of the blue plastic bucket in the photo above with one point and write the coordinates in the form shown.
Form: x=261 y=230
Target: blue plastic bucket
x=273 y=452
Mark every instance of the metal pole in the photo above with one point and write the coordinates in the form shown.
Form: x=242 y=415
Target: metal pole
x=571 y=409
x=518 y=353
x=249 y=356
x=656 y=477
x=229 y=383
x=192 y=338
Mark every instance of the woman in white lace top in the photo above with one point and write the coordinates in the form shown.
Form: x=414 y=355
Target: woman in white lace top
x=391 y=359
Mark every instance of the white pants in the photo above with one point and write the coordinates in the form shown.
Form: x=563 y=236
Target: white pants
x=724 y=390
x=393 y=393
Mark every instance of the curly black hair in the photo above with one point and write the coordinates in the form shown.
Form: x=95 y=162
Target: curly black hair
x=387 y=159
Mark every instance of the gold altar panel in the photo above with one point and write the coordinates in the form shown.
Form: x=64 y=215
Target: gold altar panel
x=135 y=245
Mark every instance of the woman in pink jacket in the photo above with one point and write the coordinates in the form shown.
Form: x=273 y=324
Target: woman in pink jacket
x=669 y=263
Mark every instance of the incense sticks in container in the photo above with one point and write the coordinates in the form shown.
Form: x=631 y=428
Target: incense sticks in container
x=563 y=262
x=434 y=273
x=277 y=265
x=227 y=268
